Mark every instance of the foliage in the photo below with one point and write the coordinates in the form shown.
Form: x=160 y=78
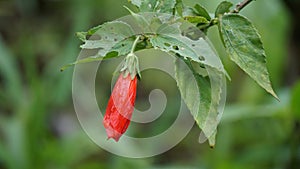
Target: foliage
x=245 y=48
x=38 y=127
x=170 y=33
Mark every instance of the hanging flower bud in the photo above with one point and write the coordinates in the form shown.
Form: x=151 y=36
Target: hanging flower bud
x=120 y=107
x=121 y=102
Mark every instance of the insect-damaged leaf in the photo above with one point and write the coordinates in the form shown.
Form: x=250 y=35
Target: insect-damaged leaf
x=245 y=48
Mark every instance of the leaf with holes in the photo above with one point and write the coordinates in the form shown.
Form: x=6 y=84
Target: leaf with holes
x=188 y=43
x=119 y=49
x=107 y=36
x=244 y=47
x=110 y=39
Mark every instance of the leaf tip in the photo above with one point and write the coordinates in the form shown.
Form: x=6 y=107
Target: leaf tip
x=274 y=95
x=63 y=68
x=81 y=36
x=212 y=142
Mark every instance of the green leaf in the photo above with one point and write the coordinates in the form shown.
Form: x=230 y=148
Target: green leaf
x=196 y=19
x=179 y=7
x=111 y=36
x=119 y=49
x=85 y=60
x=244 y=47
x=191 y=44
x=191 y=16
x=222 y=8
x=161 y=6
x=155 y=23
x=201 y=95
x=123 y=47
x=110 y=39
x=201 y=11
x=83 y=35
x=174 y=36
x=140 y=21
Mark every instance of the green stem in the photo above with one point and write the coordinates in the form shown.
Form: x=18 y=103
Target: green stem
x=131 y=63
x=135 y=43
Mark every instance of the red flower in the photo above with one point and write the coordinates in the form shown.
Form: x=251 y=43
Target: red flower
x=120 y=106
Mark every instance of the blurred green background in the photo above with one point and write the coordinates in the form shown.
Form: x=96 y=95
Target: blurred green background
x=38 y=124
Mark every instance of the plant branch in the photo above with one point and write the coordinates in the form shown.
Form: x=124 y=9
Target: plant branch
x=241 y=5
